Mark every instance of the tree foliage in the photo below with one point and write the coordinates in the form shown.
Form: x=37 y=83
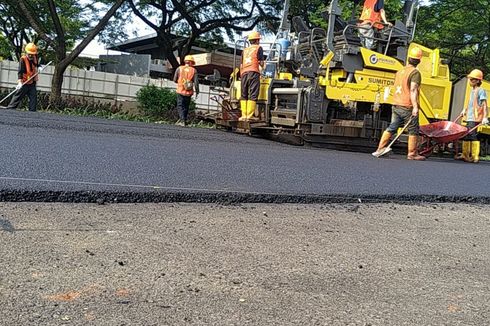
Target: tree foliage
x=180 y=23
x=60 y=25
x=14 y=32
x=461 y=29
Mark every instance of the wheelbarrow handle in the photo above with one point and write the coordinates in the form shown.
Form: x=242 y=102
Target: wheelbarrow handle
x=474 y=128
x=458 y=117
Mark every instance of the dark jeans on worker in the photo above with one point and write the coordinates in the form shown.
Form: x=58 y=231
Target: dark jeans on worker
x=183 y=103
x=250 y=83
x=399 y=117
x=30 y=91
x=472 y=136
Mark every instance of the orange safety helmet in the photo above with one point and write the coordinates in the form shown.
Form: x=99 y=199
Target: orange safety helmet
x=189 y=58
x=254 y=36
x=476 y=74
x=31 y=48
x=415 y=53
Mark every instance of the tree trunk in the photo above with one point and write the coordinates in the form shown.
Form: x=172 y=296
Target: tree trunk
x=57 y=83
x=166 y=44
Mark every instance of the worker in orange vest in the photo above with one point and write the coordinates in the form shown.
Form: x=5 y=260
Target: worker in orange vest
x=252 y=65
x=406 y=106
x=475 y=112
x=26 y=85
x=186 y=78
x=372 y=15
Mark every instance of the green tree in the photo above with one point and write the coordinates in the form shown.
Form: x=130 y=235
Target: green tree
x=180 y=23
x=59 y=25
x=461 y=29
x=13 y=32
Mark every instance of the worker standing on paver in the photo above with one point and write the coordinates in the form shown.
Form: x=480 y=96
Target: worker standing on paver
x=187 y=82
x=406 y=106
x=252 y=64
x=26 y=85
x=373 y=13
x=475 y=112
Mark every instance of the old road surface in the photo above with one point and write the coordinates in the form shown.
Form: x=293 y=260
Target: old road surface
x=117 y=223
x=50 y=157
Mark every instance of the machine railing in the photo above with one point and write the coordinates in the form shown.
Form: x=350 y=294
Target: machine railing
x=402 y=33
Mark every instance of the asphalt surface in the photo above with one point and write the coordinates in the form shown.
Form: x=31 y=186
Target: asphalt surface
x=49 y=157
x=253 y=264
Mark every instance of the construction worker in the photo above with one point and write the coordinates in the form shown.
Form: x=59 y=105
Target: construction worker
x=252 y=65
x=26 y=85
x=475 y=112
x=187 y=82
x=406 y=106
x=372 y=15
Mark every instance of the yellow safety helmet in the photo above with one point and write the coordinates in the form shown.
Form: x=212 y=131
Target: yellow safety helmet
x=31 y=48
x=415 y=53
x=476 y=74
x=189 y=58
x=254 y=36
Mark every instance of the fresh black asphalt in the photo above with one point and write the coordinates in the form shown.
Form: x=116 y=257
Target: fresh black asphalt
x=51 y=157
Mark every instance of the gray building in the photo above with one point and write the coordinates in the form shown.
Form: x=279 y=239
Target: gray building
x=146 y=57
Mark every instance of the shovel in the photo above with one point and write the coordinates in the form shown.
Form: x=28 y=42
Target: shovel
x=387 y=149
x=15 y=90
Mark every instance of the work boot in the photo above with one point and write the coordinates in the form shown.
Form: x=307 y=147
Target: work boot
x=243 y=108
x=413 y=153
x=466 y=156
x=475 y=151
x=461 y=156
x=383 y=142
x=251 y=106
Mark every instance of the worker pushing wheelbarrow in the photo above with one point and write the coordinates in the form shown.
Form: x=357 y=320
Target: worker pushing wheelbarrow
x=475 y=114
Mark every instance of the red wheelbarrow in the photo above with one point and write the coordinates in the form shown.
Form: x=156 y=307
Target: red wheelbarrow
x=441 y=133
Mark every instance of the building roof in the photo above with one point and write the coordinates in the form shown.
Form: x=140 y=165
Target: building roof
x=222 y=61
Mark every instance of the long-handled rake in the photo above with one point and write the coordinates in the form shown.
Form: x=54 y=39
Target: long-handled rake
x=33 y=76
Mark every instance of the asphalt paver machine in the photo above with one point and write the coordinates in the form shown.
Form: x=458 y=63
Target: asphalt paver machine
x=323 y=86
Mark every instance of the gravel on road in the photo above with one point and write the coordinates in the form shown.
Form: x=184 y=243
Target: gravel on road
x=252 y=264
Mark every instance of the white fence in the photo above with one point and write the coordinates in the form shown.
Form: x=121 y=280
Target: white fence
x=101 y=85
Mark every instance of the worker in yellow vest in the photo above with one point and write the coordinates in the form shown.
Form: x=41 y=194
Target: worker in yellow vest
x=252 y=65
x=475 y=112
x=187 y=82
x=406 y=106
x=373 y=14
x=26 y=84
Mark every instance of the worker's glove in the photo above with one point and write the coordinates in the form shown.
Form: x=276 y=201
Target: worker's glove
x=484 y=121
x=19 y=86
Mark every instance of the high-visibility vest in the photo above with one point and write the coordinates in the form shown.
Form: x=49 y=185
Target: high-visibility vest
x=186 y=74
x=249 y=59
x=370 y=15
x=402 y=88
x=477 y=109
x=30 y=70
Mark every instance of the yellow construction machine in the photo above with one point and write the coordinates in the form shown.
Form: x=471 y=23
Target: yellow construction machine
x=326 y=88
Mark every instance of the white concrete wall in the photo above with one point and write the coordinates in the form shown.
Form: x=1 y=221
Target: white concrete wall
x=100 y=85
